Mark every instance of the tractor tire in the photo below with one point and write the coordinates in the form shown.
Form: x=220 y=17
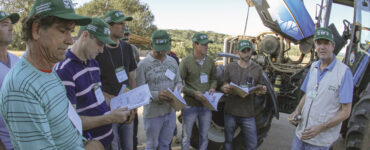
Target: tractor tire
x=263 y=117
x=358 y=124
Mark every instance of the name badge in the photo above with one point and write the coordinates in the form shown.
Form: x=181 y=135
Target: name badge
x=169 y=74
x=75 y=119
x=98 y=93
x=203 y=78
x=121 y=74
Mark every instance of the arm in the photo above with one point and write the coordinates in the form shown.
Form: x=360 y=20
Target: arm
x=183 y=75
x=132 y=79
x=345 y=98
x=213 y=76
x=141 y=80
x=116 y=116
x=19 y=112
x=297 y=111
x=342 y=115
x=2 y=147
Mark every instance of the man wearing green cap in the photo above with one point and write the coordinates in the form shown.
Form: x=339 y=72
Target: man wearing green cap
x=240 y=111
x=80 y=74
x=126 y=38
x=33 y=100
x=7 y=61
x=198 y=72
x=328 y=88
x=117 y=65
x=160 y=72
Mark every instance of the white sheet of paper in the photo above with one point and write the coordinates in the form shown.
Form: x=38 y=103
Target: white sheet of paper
x=244 y=89
x=132 y=99
x=214 y=98
x=75 y=119
x=121 y=76
x=177 y=93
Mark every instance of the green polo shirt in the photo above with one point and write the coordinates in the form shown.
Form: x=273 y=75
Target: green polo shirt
x=190 y=72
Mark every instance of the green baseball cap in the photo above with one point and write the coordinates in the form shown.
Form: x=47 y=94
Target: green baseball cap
x=58 y=8
x=161 y=40
x=116 y=16
x=14 y=17
x=323 y=33
x=242 y=44
x=201 y=38
x=100 y=29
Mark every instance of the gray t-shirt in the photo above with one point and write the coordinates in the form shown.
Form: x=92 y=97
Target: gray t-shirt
x=152 y=72
x=251 y=76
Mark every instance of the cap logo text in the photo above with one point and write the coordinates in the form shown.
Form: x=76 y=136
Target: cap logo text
x=67 y=4
x=92 y=27
x=43 y=7
x=106 y=31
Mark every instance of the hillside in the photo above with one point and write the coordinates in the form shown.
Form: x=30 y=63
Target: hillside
x=182 y=44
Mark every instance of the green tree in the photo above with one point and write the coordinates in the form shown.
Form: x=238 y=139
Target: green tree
x=22 y=7
x=142 y=23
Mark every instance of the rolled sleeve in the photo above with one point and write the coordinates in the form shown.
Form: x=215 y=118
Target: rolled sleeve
x=305 y=82
x=346 y=88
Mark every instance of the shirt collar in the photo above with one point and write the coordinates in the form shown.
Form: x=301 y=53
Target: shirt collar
x=72 y=56
x=152 y=59
x=330 y=67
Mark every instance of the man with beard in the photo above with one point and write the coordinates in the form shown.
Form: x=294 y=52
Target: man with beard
x=33 y=100
x=80 y=74
x=117 y=65
x=327 y=102
x=240 y=111
x=7 y=60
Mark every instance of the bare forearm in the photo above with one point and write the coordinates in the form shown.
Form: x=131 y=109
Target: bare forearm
x=301 y=103
x=343 y=114
x=132 y=80
x=90 y=122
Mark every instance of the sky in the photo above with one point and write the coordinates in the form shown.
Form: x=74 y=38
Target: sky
x=222 y=16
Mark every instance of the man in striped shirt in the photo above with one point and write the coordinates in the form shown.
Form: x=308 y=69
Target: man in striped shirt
x=33 y=101
x=80 y=74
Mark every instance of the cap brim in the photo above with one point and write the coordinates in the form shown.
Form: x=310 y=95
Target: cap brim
x=244 y=47
x=106 y=40
x=124 y=18
x=14 y=17
x=326 y=38
x=164 y=47
x=80 y=20
x=205 y=41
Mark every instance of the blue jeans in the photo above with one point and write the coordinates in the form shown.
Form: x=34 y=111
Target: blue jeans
x=298 y=144
x=189 y=115
x=248 y=127
x=159 y=131
x=123 y=136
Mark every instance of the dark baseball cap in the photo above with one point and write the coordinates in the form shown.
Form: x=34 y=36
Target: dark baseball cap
x=201 y=38
x=242 y=44
x=323 y=33
x=14 y=17
x=161 y=40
